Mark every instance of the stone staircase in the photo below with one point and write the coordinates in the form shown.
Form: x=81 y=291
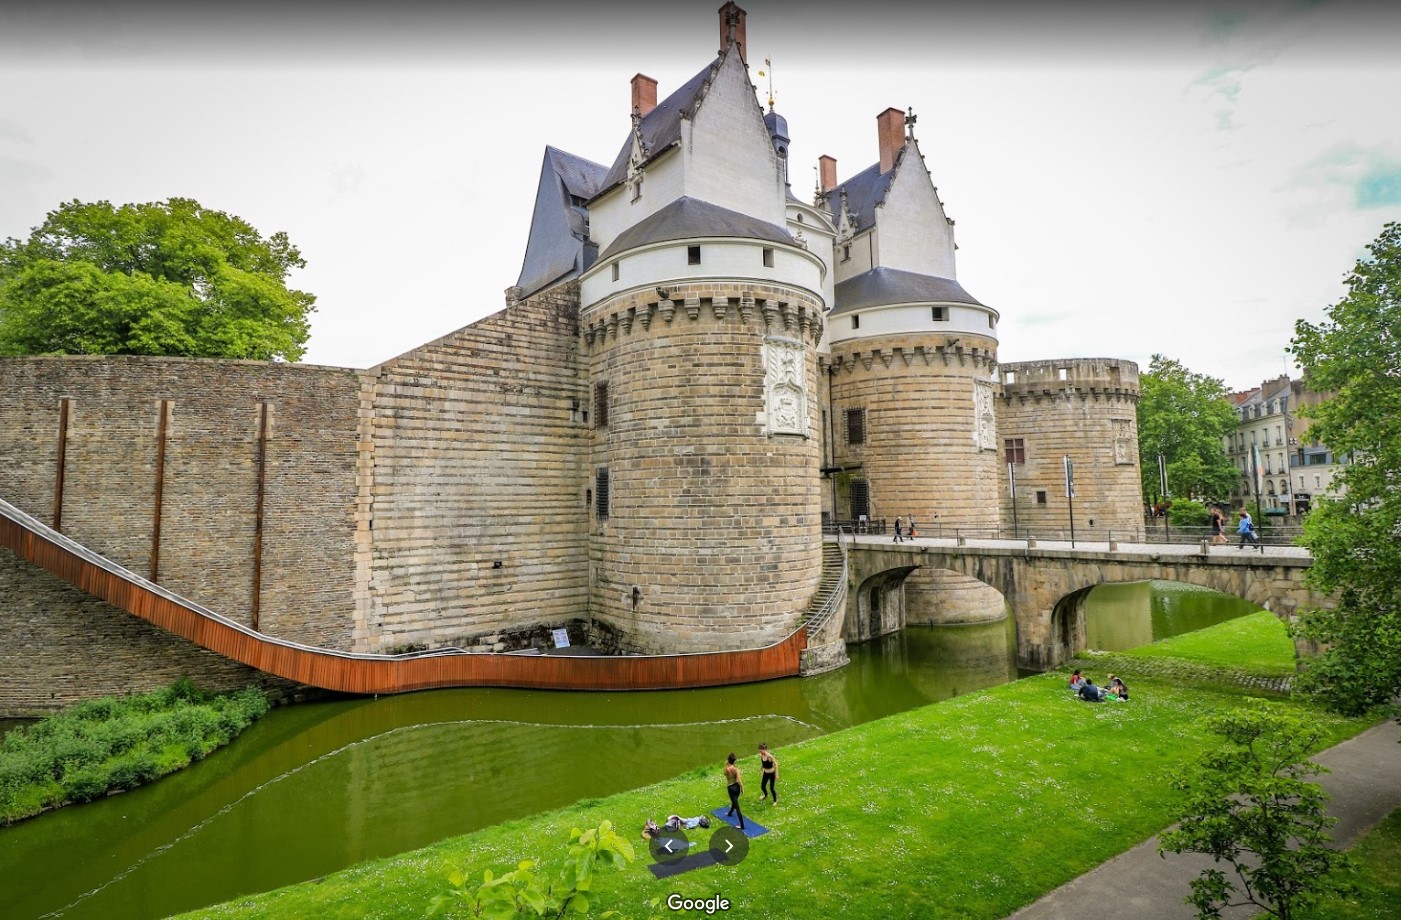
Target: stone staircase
x=831 y=589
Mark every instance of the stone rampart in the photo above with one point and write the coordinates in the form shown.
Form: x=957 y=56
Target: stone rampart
x=472 y=518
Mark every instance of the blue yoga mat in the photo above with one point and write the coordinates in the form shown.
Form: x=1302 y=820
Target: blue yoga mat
x=752 y=828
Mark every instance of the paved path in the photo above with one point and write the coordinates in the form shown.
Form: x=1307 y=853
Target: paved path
x=1192 y=549
x=1365 y=786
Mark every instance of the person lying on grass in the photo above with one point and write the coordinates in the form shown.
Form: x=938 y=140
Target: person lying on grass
x=674 y=823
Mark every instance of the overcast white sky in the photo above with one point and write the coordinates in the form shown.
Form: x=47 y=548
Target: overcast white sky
x=1188 y=181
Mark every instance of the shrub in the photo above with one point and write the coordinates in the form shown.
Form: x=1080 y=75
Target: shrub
x=116 y=743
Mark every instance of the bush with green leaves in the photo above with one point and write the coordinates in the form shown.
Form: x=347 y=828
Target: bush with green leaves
x=1249 y=804
x=117 y=743
x=523 y=893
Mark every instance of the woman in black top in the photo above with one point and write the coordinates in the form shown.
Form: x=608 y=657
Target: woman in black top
x=768 y=771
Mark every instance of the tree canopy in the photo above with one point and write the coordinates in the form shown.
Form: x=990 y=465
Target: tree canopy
x=162 y=278
x=1355 y=537
x=1184 y=416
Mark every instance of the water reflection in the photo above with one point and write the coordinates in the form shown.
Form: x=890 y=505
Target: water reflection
x=318 y=787
x=1125 y=616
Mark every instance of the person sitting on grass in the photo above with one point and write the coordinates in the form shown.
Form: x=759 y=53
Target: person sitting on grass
x=1076 y=681
x=1119 y=688
x=1089 y=692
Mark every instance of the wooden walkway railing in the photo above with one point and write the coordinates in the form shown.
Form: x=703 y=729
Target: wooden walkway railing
x=351 y=672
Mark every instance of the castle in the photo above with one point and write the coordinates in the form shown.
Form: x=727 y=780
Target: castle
x=694 y=369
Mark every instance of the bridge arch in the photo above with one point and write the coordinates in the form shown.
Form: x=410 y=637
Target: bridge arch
x=1037 y=582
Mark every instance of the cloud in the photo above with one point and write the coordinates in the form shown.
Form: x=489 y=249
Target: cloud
x=11 y=130
x=1371 y=176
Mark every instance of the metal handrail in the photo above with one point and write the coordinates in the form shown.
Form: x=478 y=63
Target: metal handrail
x=837 y=598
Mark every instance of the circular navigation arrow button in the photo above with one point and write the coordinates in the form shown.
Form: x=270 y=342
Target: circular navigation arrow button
x=669 y=847
x=729 y=846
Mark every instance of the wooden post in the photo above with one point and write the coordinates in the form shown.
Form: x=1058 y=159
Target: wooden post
x=258 y=511
x=62 y=455
x=160 y=492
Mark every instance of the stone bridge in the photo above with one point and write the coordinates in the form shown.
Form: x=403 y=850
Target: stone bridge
x=1045 y=584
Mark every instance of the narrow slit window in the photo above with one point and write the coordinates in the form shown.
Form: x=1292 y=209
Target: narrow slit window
x=693 y=255
x=600 y=508
x=768 y=257
x=617 y=270
x=856 y=320
x=600 y=405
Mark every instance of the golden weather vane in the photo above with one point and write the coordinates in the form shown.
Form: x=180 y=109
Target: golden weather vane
x=768 y=72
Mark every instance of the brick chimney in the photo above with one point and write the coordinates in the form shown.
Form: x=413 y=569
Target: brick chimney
x=731 y=13
x=890 y=129
x=644 y=94
x=827 y=173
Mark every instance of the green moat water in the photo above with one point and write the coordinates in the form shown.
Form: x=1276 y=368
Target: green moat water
x=315 y=788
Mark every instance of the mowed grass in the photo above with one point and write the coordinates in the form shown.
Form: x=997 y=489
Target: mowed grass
x=1375 y=860
x=1258 y=642
x=968 y=808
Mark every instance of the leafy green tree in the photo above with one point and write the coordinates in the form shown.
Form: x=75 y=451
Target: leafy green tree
x=1356 y=538
x=1249 y=804
x=1184 y=416
x=164 y=278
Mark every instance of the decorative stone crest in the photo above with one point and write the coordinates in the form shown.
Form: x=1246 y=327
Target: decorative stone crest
x=785 y=389
x=984 y=418
x=1123 y=441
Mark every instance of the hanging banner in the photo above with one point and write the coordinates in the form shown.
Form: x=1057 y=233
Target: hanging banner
x=1069 y=476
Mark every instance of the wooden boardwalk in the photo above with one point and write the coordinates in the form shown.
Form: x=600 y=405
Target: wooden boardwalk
x=351 y=672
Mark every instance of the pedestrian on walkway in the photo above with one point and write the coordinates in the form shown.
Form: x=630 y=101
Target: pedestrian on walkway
x=913 y=534
x=1218 y=525
x=735 y=787
x=899 y=524
x=1246 y=529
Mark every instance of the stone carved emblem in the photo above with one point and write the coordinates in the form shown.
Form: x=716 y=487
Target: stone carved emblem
x=1123 y=441
x=984 y=419
x=785 y=387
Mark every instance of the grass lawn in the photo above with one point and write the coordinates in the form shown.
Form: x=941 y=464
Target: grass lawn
x=1258 y=642
x=968 y=808
x=1375 y=861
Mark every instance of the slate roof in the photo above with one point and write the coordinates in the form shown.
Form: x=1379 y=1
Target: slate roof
x=689 y=218
x=661 y=127
x=864 y=191
x=886 y=286
x=558 y=246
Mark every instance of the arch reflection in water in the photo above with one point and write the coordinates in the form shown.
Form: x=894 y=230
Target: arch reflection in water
x=1124 y=616
x=315 y=788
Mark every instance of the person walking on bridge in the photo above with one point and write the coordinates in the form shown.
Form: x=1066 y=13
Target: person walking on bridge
x=1246 y=529
x=899 y=527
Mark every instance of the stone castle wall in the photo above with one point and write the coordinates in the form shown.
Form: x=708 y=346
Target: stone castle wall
x=209 y=486
x=713 y=519
x=474 y=460
x=1085 y=408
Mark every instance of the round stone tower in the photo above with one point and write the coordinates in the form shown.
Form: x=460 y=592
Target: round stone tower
x=1085 y=409
x=700 y=331
x=913 y=413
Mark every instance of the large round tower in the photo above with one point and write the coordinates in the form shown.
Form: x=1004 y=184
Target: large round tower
x=1085 y=409
x=701 y=352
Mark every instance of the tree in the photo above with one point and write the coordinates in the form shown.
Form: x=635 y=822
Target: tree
x=1356 y=538
x=163 y=278
x=1184 y=416
x=1249 y=804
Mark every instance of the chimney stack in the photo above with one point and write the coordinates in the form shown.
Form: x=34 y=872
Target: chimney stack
x=890 y=130
x=732 y=16
x=827 y=173
x=644 y=94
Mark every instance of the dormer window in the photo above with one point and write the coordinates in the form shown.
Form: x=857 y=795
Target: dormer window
x=846 y=253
